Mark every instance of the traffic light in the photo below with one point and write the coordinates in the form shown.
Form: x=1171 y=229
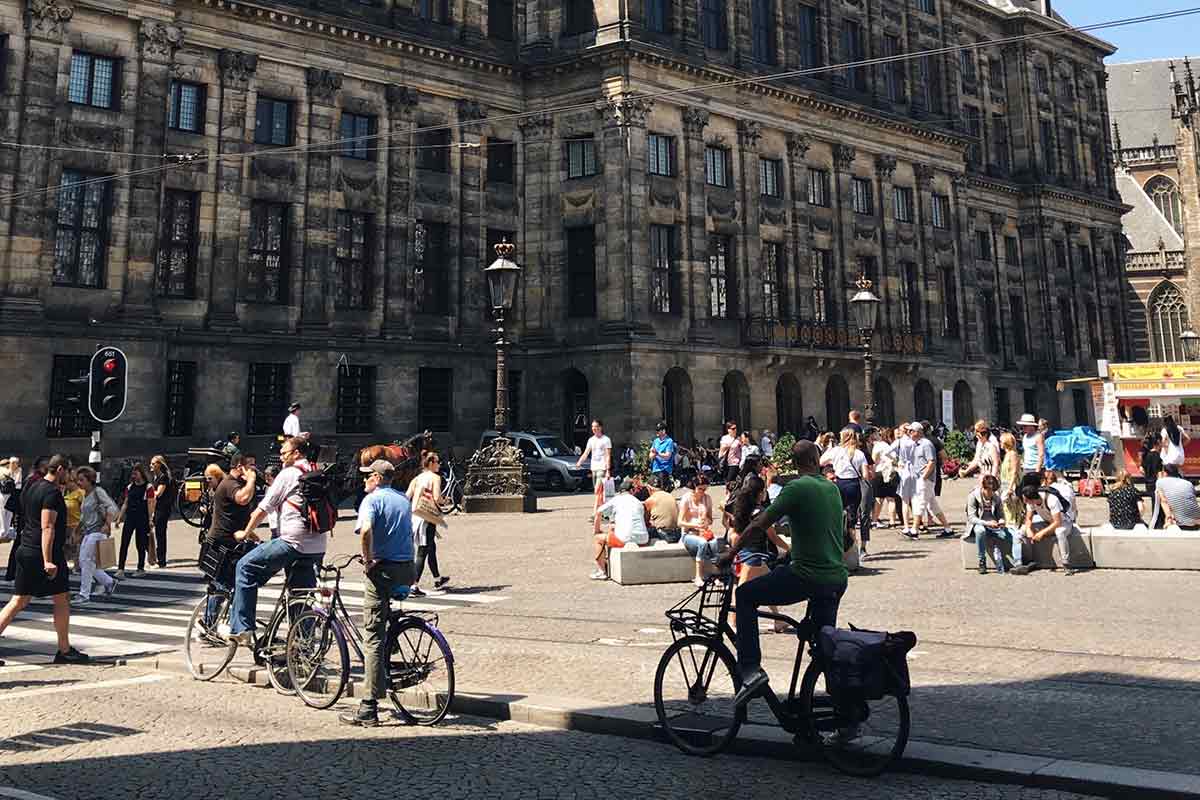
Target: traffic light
x=109 y=380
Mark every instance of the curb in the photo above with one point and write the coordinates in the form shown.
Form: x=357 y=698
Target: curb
x=920 y=757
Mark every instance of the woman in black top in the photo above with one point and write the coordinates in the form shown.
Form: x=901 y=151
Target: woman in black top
x=164 y=498
x=1124 y=509
x=751 y=553
x=1151 y=464
x=135 y=514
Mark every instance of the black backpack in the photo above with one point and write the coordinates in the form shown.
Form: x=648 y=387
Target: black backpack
x=1066 y=506
x=8 y=486
x=315 y=490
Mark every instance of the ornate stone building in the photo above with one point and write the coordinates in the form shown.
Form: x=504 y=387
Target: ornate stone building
x=688 y=250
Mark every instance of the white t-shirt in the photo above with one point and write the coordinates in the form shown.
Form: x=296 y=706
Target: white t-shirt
x=1172 y=453
x=629 y=518
x=847 y=464
x=291 y=425
x=600 y=446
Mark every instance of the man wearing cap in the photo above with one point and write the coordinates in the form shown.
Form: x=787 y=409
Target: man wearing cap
x=291 y=425
x=629 y=526
x=662 y=456
x=385 y=525
x=924 y=465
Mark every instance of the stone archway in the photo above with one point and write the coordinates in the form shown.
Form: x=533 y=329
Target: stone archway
x=576 y=421
x=924 y=401
x=735 y=400
x=964 y=406
x=677 y=404
x=837 y=403
x=789 y=410
x=885 y=403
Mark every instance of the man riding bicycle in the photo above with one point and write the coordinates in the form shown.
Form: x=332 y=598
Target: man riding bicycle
x=816 y=572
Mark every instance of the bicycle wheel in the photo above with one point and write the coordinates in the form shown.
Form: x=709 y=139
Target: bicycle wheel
x=272 y=649
x=205 y=651
x=317 y=660
x=694 y=688
x=190 y=512
x=858 y=737
x=420 y=671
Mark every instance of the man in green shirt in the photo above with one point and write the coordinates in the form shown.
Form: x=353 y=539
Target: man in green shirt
x=816 y=572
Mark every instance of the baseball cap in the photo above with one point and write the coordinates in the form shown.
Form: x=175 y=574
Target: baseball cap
x=916 y=426
x=662 y=426
x=379 y=466
x=626 y=484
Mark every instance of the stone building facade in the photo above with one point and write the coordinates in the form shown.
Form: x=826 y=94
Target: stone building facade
x=688 y=249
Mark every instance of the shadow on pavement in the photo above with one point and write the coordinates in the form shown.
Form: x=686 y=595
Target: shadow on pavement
x=63 y=735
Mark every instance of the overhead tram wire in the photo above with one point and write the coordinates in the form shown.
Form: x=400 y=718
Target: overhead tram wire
x=633 y=96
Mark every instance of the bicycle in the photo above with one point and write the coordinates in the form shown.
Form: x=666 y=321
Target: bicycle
x=452 y=489
x=696 y=710
x=207 y=652
x=420 y=686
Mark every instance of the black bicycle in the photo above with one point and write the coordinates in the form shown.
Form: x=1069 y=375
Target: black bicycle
x=698 y=677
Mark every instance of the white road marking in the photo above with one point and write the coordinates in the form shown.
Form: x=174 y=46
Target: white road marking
x=85 y=687
x=21 y=794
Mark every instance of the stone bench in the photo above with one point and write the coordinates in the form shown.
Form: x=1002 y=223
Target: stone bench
x=1045 y=552
x=655 y=563
x=1141 y=548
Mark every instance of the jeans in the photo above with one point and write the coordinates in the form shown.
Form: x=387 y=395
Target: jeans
x=427 y=552
x=866 y=511
x=780 y=587
x=139 y=530
x=259 y=566
x=383 y=578
x=87 y=564
x=702 y=549
x=214 y=603
x=982 y=532
x=668 y=535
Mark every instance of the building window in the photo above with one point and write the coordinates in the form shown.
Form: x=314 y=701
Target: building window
x=973 y=126
x=722 y=289
x=762 y=22
x=966 y=62
x=581 y=157
x=434 y=10
x=578 y=17
x=983 y=245
x=941 y=212
x=1168 y=319
x=658 y=16
x=1060 y=256
x=1165 y=194
x=267 y=398
x=770 y=172
x=772 y=278
x=1012 y=251
x=852 y=52
x=927 y=6
x=1000 y=142
x=818 y=187
x=1067 y=323
x=927 y=83
x=1016 y=315
x=1003 y=412
x=355 y=399
x=435 y=399
x=902 y=197
x=861 y=196
x=1049 y=157
x=67 y=414
x=910 y=295
x=824 y=309
x=581 y=272
x=996 y=74
x=893 y=71
x=95 y=81
x=1041 y=79
x=987 y=308
x=501 y=162
x=717 y=166
x=185 y=107
x=1093 y=331
x=433 y=267
x=177 y=248
x=810 y=38
x=180 y=407
x=1085 y=258
x=356 y=134
x=352 y=262
x=714 y=25
x=433 y=150
x=500 y=20
x=273 y=121
x=660 y=154
x=663 y=291
x=81 y=239
x=267 y=273
x=950 y=303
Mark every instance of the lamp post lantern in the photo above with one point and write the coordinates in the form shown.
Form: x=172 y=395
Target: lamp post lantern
x=865 y=306
x=1191 y=345
x=502 y=289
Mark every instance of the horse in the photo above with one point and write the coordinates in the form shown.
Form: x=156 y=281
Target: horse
x=404 y=456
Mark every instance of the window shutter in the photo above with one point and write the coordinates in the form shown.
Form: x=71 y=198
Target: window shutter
x=262 y=120
x=115 y=98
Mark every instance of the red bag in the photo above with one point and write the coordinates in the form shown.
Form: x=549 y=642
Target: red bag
x=1091 y=487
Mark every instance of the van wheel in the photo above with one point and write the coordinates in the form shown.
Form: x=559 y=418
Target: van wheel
x=554 y=482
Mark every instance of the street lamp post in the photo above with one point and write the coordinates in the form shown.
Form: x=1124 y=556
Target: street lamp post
x=866 y=312
x=1191 y=345
x=502 y=288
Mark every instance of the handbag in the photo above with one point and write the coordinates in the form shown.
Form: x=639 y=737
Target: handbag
x=426 y=509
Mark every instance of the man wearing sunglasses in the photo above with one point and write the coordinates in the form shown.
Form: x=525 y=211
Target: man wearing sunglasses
x=299 y=548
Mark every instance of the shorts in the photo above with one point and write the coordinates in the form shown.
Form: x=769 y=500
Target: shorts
x=613 y=541
x=752 y=558
x=907 y=488
x=30 y=575
x=925 y=502
x=598 y=478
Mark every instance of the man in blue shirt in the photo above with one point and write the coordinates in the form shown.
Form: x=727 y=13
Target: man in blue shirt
x=662 y=456
x=385 y=525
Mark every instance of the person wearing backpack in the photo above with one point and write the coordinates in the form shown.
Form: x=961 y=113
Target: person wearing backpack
x=299 y=548
x=1049 y=505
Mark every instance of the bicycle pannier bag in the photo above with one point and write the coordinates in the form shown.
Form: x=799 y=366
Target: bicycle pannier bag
x=854 y=662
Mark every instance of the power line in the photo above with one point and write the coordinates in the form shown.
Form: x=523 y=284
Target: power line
x=651 y=96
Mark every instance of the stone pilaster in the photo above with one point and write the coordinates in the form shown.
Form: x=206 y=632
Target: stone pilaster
x=996 y=222
x=964 y=256
x=397 y=299
x=237 y=70
x=695 y=240
x=889 y=272
x=749 y=247
x=926 y=266
x=843 y=227
x=1187 y=154
x=319 y=224
x=539 y=183
x=473 y=310
x=798 y=289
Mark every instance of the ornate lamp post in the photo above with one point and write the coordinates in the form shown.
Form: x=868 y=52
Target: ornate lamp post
x=1191 y=345
x=865 y=306
x=497 y=478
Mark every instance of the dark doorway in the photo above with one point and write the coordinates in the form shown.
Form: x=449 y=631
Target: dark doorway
x=924 y=402
x=789 y=411
x=677 y=406
x=735 y=400
x=577 y=422
x=837 y=403
x=964 y=406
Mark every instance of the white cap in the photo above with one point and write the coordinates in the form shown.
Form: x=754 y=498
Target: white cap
x=916 y=426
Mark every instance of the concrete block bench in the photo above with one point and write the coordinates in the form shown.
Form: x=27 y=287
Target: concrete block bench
x=1045 y=552
x=655 y=563
x=1140 y=548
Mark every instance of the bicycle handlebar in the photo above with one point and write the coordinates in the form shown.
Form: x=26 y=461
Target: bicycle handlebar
x=338 y=567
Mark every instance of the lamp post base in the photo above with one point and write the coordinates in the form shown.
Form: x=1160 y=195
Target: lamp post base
x=498 y=480
x=500 y=504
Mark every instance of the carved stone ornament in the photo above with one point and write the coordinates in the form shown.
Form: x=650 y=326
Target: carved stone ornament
x=718 y=209
x=998 y=219
x=749 y=133
x=885 y=166
x=323 y=85
x=537 y=126
x=432 y=194
x=664 y=198
x=843 y=156
x=237 y=68
x=471 y=110
x=401 y=99
x=97 y=136
x=820 y=223
x=924 y=175
x=865 y=233
x=500 y=201
x=160 y=41
x=959 y=182
x=579 y=200
x=357 y=183
x=625 y=110
x=276 y=169
x=694 y=121
x=48 y=18
x=497 y=468
x=798 y=145
x=771 y=216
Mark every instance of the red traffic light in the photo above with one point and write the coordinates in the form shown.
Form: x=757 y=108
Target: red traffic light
x=110 y=365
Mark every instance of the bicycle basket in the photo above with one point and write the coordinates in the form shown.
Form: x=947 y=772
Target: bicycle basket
x=217 y=559
x=699 y=612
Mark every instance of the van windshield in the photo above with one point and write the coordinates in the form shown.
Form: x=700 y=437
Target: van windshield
x=552 y=446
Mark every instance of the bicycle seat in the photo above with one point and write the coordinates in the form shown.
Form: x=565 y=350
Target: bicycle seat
x=401 y=592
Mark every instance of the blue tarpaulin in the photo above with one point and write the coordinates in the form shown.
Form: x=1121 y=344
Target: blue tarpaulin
x=1068 y=449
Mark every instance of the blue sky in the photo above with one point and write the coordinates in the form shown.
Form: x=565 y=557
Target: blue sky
x=1164 y=39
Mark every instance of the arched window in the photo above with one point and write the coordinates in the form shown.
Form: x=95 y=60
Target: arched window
x=677 y=406
x=964 y=406
x=837 y=403
x=885 y=402
x=924 y=405
x=1165 y=194
x=1168 y=319
x=789 y=414
x=576 y=419
x=735 y=400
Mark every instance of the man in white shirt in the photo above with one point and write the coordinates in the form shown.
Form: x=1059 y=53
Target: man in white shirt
x=599 y=449
x=767 y=445
x=291 y=425
x=629 y=527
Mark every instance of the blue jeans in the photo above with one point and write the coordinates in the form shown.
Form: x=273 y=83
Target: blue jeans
x=780 y=587
x=214 y=603
x=259 y=566
x=981 y=536
x=701 y=549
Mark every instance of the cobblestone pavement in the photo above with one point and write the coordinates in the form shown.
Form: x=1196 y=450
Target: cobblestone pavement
x=1103 y=666
x=174 y=738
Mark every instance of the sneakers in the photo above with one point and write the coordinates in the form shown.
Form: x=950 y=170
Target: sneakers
x=112 y=588
x=80 y=600
x=415 y=591
x=863 y=555
x=366 y=716
x=137 y=573
x=1021 y=569
x=244 y=638
x=909 y=533
x=751 y=686
x=120 y=575
x=441 y=582
x=599 y=575
x=983 y=566
x=72 y=656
